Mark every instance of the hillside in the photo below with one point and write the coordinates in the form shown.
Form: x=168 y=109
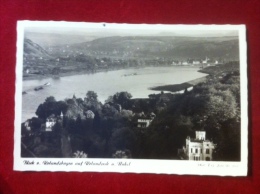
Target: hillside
x=179 y=48
x=31 y=49
x=124 y=52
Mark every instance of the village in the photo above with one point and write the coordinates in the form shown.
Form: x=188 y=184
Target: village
x=71 y=65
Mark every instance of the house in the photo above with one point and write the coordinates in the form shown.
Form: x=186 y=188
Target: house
x=50 y=122
x=198 y=148
x=184 y=63
x=145 y=121
x=196 y=62
x=89 y=114
x=27 y=125
x=205 y=61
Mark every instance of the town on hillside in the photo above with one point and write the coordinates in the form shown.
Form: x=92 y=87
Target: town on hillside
x=41 y=60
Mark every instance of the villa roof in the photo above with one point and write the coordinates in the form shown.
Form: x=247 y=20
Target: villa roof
x=199 y=140
x=145 y=118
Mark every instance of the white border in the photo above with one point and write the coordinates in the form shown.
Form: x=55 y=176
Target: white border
x=134 y=165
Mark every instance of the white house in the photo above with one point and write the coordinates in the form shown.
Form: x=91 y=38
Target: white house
x=90 y=114
x=195 y=62
x=27 y=125
x=205 y=61
x=145 y=122
x=199 y=148
x=50 y=122
x=184 y=63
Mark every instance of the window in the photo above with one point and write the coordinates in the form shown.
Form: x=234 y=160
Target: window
x=196 y=150
x=207 y=151
x=191 y=150
x=196 y=158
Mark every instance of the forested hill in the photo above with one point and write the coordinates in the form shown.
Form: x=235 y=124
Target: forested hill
x=180 y=48
x=139 y=47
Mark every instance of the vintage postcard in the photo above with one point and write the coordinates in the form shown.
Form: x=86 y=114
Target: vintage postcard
x=138 y=98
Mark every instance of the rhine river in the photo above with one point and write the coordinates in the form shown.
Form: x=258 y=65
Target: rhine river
x=135 y=81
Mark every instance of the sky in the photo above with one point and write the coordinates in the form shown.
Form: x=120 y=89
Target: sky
x=46 y=33
x=110 y=29
x=135 y=32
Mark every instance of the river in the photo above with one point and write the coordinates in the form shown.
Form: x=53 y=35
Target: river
x=135 y=81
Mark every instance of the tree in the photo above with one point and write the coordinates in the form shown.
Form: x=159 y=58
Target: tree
x=109 y=111
x=91 y=96
x=122 y=139
x=122 y=98
x=50 y=106
x=91 y=101
x=55 y=71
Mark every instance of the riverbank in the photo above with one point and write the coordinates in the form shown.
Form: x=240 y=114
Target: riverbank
x=84 y=71
x=179 y=87
x=64 y=74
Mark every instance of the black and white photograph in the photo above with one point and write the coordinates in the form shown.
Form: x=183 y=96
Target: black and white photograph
x=137 y=98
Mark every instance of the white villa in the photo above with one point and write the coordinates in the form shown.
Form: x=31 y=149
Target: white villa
x=51 y=121
x=145 y=122
x=199 y=148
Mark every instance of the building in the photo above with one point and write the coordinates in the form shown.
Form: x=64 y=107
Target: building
x=90 y=114
x=205 y=61
x=50 y=122
x=185 y=63
x=27 y=125
x=197 y=149
x=195 y=62
x=145 y=122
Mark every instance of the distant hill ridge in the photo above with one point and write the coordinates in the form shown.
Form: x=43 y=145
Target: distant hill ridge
x=177 y=47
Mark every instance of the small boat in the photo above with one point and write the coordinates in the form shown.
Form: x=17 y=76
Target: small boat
x=47 y=84
x=38 y=88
